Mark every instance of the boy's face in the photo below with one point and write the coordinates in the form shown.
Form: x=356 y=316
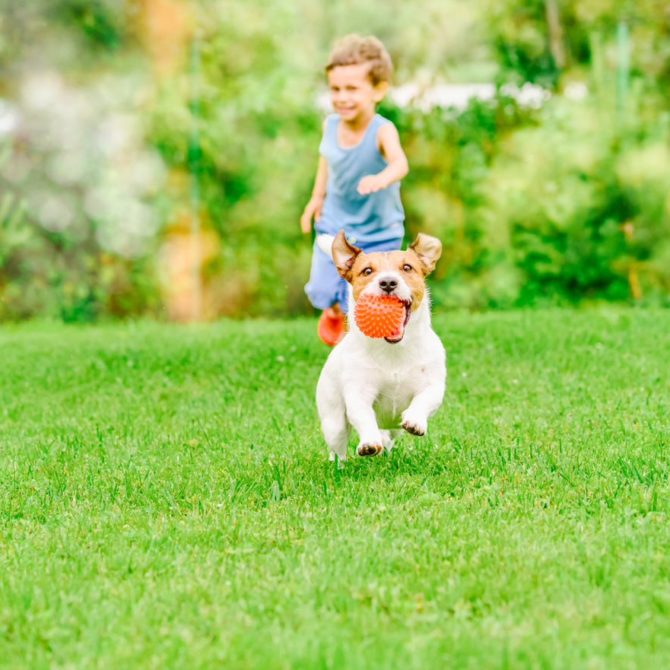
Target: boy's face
x=352 y=93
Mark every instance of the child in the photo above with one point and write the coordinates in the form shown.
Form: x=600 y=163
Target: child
x=357 y=181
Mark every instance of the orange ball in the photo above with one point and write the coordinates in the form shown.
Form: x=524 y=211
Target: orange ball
x=380 y=316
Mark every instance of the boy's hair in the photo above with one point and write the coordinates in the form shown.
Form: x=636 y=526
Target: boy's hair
x=354 y=50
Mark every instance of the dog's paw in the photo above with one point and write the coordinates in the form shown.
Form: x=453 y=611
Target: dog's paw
x=369 y=449
x=414 y=425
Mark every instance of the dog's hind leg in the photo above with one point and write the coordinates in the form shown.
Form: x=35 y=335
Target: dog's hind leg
x=334 y=423
x=336 y=432
x=388 y=438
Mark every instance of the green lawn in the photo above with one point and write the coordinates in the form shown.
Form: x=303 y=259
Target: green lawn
x=166 y=501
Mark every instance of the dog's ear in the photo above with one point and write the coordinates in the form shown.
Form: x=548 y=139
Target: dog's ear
x=344 y=255
x=428 y=249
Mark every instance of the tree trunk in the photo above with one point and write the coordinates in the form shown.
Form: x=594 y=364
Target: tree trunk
x=555 y=33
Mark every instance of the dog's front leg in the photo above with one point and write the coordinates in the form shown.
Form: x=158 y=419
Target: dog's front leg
x=415 y=417
x=361 y=416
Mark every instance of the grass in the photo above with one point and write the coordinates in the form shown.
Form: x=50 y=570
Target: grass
x=166 y=501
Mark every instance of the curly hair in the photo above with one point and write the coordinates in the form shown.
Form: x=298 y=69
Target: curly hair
x=354 y=50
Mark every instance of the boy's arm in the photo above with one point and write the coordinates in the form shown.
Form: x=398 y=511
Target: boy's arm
x=397 y=168
x=313 y=207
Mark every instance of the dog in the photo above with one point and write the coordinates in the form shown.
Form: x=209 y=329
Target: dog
x=381 y=386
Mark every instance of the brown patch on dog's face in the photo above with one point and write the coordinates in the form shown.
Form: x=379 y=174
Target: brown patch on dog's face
x=403 y=266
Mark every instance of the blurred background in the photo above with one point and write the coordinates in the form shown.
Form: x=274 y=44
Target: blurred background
x=155 y=155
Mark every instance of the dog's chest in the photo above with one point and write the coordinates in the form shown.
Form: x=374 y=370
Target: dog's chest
x=395 y=390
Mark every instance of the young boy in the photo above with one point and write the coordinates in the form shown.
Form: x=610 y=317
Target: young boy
x=357 y=181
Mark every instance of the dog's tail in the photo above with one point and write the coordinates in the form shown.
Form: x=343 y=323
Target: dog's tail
x=325 y=243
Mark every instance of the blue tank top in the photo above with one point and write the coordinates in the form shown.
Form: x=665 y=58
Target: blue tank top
x=365 y=218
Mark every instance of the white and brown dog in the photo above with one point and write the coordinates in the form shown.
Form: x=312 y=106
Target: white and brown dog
x=381 y=386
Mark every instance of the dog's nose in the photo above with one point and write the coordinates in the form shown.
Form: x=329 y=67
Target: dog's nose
x=387 y=284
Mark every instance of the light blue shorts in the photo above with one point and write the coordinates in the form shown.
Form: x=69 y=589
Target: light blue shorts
x=325 y=286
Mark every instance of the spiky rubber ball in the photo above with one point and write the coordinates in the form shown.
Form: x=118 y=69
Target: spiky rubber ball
x=380 y=316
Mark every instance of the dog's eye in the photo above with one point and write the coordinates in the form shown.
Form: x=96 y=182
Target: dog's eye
x=367 y=272
x=407 y=267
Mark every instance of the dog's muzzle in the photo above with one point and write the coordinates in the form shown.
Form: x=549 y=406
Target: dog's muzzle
x=397 y=337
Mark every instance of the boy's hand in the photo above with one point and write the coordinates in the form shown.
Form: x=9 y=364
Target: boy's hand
x=312 y=211
x=371 y=184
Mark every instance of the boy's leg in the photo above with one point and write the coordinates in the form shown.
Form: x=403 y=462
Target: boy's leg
x=324 y=285
x=325 y=289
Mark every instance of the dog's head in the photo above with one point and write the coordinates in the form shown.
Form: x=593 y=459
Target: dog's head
x=398 y=273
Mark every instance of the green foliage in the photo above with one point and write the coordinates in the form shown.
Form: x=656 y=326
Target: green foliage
x=13 y=232
x=182 y=513
x=65 y=274
x=520 y=37
x=580 y=199
x=100 y=21
x=560 y=203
